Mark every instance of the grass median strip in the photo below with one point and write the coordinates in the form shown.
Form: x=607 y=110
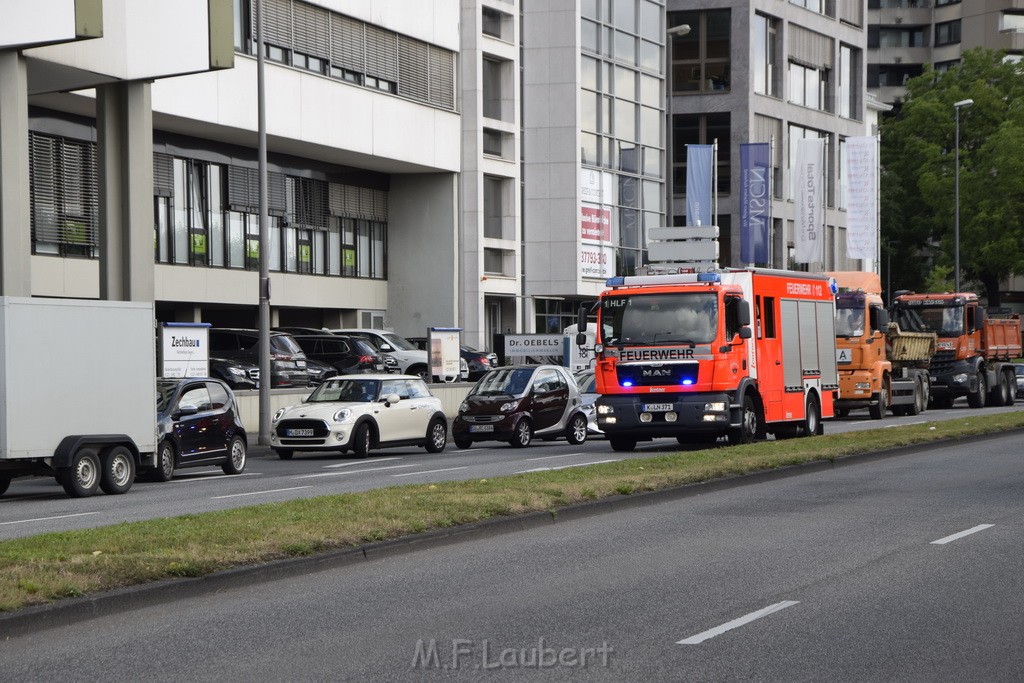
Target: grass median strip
x=54 y=566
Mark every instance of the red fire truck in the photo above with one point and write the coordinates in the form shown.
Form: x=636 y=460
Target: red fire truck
x=741 y=353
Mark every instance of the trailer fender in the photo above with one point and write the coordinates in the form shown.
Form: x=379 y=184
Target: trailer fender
x=70 y=445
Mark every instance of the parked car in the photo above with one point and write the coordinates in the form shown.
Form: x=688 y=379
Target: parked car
x=318 y=371
x=517 y=402
x=347 y=355
x=1018 y=370
x=287 y=361
x=235 y=373
x=587 y=383
x=477 y=362
x=197 y=425
x=360 y=413
x=411 y=361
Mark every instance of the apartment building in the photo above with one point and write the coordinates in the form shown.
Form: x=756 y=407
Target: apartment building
x=904 y=35
x=772 y=71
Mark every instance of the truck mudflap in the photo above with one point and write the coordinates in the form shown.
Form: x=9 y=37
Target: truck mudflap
x=648 y=416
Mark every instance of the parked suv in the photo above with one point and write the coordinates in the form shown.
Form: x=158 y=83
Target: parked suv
x=287 y=361
x=349 y=355
x=411 y=361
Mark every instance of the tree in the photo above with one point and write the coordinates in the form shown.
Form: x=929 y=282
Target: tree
x=918 y=154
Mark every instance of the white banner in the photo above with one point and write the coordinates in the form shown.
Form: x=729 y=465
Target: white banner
x=809 y=233
x=597 y=262
x=861 y=197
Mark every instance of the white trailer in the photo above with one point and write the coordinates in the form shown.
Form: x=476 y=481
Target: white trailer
x=77 y=392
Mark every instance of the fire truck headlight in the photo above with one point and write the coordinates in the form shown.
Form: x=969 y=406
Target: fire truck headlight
x=605 y=410
x=961 y=378
x=670 y=417
x=716 y=406
x=710 y=418
x=646 y=417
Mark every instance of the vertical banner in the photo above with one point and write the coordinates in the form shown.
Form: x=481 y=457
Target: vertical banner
x=861 y=197
x=698 y=184
x=755 y=202
x=809 y=234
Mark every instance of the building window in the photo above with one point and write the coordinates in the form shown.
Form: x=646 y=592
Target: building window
x=849 y=82
x=897 y=37
x=947 y=33
x=493 y=142
x=493 y=88
x=308 y=62
x=63 y=196
x=700 y=59
x=765 y=61
x=494 y=261
x=826 y=7
x=495 y=23
x=494 y=207
x=808 y=86
x=701 y=129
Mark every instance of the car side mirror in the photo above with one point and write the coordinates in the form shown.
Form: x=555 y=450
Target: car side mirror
x=392 y=399
x=186 y=410
x=386 y=348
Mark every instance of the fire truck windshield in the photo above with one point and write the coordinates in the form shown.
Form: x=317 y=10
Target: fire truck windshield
x=647 y=319
x=945 y=321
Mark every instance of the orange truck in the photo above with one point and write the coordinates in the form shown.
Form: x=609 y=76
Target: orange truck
x=694 y=356
x=881 y=366
x=973 y=352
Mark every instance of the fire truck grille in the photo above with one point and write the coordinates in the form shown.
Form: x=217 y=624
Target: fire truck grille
x=942 y=362
x=648 y=375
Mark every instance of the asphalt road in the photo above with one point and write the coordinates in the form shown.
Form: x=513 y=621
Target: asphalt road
x=903 y=569
x=38 y=505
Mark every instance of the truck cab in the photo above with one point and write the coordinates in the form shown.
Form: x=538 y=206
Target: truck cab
x=864 y=370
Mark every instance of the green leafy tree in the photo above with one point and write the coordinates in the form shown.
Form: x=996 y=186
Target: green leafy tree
x=918 y=178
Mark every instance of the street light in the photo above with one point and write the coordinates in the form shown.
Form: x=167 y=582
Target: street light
x=957 y=106
x=680 y=30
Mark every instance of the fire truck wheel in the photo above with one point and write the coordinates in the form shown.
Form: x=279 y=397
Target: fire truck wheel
x=976 y=399
x=749 y=422
x=881 y=406
x=621 y=443
x=812 y=418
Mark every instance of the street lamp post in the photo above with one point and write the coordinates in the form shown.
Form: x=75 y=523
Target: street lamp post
x=680 y=30
x=957 y=106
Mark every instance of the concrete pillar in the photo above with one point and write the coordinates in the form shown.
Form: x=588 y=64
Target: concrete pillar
x=188 y=313
x=15 y=214
x=124 y=130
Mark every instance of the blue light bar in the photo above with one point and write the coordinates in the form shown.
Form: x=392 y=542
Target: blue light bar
x=627 y=383
x=687 y=382
x=708 y=277
x=615 y=281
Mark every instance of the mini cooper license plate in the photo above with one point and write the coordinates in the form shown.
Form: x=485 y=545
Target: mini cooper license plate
x=300 y=432
x=481 y=428
x=657 y=407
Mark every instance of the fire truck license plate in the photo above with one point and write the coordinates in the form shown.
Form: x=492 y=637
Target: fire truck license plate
x=657 y=407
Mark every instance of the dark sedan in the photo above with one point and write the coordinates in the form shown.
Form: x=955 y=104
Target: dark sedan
x=197 y=425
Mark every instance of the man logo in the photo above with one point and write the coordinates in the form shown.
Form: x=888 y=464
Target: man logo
x=657 y=372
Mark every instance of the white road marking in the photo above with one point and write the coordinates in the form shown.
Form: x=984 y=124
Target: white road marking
x=565 y=467
x=211 y=476
x=413 y=474
x=362 y=462
x=904 y=424
x=968 y=532
x=46 y=519
x=369 y=469
x=736 y=623
x=552 y=457
x=259 y=493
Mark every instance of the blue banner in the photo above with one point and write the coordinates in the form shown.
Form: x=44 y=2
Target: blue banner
x=699 y=159
x=755 y=202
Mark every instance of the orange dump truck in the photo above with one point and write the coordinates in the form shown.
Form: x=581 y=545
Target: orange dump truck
x=973 y=352
x=880 y=365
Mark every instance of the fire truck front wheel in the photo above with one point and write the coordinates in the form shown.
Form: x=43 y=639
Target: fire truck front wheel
x=622 y=443
x=750 y=422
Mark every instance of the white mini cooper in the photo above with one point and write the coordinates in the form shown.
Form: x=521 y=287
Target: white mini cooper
x=362 y=412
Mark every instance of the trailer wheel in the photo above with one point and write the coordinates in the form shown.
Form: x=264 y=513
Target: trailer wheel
x=83 y=477
x=118 y=470
x=976 y=399
x=749 y=424
x=4 y=485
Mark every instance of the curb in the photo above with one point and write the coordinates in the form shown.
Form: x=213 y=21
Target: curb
x=75 y=610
